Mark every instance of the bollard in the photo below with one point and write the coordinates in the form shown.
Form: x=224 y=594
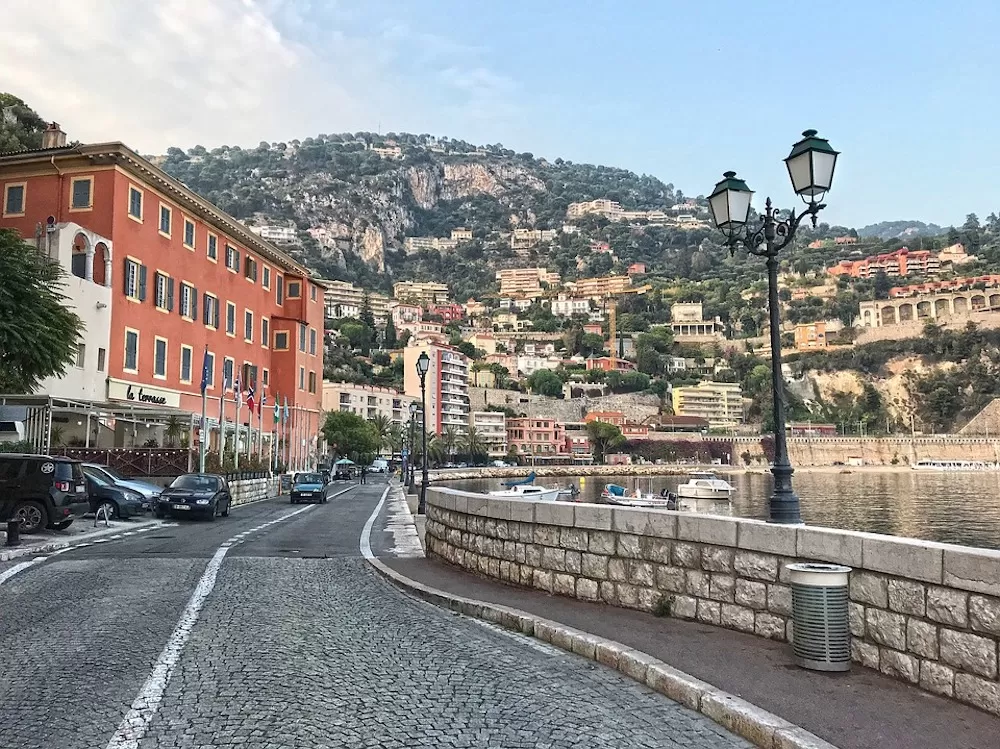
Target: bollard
x=13 y=532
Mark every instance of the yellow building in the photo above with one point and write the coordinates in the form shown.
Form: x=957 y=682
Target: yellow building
x=810 y=336
x=420 y=292
x=599 y=288
x=367 y=401
x=720 y=403
x=525 y=281
x=343 y=299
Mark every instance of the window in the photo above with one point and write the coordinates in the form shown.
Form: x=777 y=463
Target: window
x=81 y=194
x=189 y=233
x=266 y=278
x=189 y=301
x=302 y=378
x=227 y=373
x=312 y=293
x=135 y=280
x=302 y=337
x=81 y=354
x=312 y=382
x=265 y=377
x=250 y=269
x=165 y=216
x=102 y=356
x=210 y=311
x=131 y=351
x=164 y=292
x=248 y=326
x=213 y=248
x=186 y=355
x=312 y=341
x=160 y=358
x=265 y=331
x=13 y=199
x=230 y=318
x=279 y=293
x=135 y=203
x=294 y=290
x=232 y=259
x=211 y=369
x=281 y=340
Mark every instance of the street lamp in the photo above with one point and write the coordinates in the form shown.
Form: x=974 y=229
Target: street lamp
x=410 y=457
x=810 y=168
x=423 y=364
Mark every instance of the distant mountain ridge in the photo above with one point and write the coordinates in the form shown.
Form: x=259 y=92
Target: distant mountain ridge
x=900 y=230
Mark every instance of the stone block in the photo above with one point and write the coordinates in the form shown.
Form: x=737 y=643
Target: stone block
x=948 y=606
x=546 y=535
x=661 y=524
x=779 y=599
x=769 y=538
x=492 y=567
x=721 y=587
x=553 y=559
x=979 y=692
x=984 y=614
x=751 y=594
x=575 y=539
x=686 y=555
x=654 y=549
x=594 y=565
x=596 y=517
x=907 y=597
x=937 y=678
x=564 y=585
x=630 y=520
x=905 y=557
x=972 y=653
x=977 y=570
x=670 y=579
x=527 y=532
x=649 y=598
x=542 y=579
x=634 y=664
x=520 y=552
x=640 y=573
x=527 y=575
x=798 y=738
x=706 y=529
x=886 y=628
x=522 y=512
x=709 y=612
x=628 y=546
x=628 y=595
x=869 y=589
x=677 y=685
x=617 y=570
x=865 y=653
x=922 y=639
x=755 y=565
x=742 y=718
x=608 y=653
x=685 y=607
x=587 y=589
x=533 y=554
x=585 y=645
x=769 y=626
x=899 y=665
x=608 y=593
x=602 y=542
x=477 y=506
x=554 y=513
x=737 y=617
x=696 y=583
x=573 y=562
x=856 y=617
x=717 y=559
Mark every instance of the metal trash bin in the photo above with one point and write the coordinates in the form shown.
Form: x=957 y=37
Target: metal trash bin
x=821 y=629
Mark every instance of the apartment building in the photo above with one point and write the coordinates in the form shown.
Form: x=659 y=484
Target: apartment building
x=601 y=207
x=343 y=299
x=491 y=426
x=178 y=278
x=578 y=446
x=525 y=281
x=601 y=288
x=809 y=336
x=629 y=429
x=566 y=306
x=720 y=403
x=525 y=239
x=424 y=293
x=902 y=262
x=447 y=384
x=276 y=234
x=441 y=244
x=688 y=323
x=537 y=439
x=367 y=401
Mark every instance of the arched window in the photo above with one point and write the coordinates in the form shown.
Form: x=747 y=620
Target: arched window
x=78 y=263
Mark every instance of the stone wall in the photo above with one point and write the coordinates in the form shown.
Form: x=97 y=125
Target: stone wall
x=252 y=490
x=925 y=613
x=637 y=406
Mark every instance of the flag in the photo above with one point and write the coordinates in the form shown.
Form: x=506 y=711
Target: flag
x=287 y=415
x=277 y=410
x=263 y=402
x=250 y=403
x=237 y=393
x=206 y=372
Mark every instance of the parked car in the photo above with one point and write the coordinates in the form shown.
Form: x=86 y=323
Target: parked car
x=196 y=494
x=379 y=466
x=308 y=487
x=118 y=502
x=146 y=489
x=41 y=491
x=499 y=464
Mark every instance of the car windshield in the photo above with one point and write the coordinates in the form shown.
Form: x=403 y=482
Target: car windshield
x=97 y=477
x=309 y=478
x=196 y=482
x=112 y=473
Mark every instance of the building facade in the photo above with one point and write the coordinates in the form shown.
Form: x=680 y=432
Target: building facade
x=688 y=323
x=367 y=401
x=536 y=439
x=343 y=299
x=902 y=262
x=567 y=306
x=629 y=429
x=809 y=336
x=491 y=427
x=447 y=384
x=424 y=293
x=719 y=403
x=525 y=281
x=602 y=287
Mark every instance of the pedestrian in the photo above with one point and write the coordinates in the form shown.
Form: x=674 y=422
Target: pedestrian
x=364 y=474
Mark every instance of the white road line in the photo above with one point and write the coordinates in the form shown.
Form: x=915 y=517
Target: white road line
x=365 y=543
x=7 y=575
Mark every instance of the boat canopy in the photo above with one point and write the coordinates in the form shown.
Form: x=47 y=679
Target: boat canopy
x=616 y=491
x=529 y=479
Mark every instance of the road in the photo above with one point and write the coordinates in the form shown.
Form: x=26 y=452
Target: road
x=268 y=630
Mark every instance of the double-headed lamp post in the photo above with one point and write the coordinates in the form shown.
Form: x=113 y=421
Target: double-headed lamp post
x=810 y=167
x=412 y=455
x=423 y=364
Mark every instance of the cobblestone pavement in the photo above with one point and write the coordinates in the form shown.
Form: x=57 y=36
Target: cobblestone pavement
x=299 y=644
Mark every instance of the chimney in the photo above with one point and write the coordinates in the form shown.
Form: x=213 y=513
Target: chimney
x=53 y=137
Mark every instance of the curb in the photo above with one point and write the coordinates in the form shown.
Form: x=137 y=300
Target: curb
x=45 y=548
x=760 y=727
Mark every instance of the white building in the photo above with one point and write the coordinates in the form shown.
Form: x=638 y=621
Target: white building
x=277 y=234
x=568 y=306
x=491 y=426
x=367 y=401
x=343 y=299
x=447 y=385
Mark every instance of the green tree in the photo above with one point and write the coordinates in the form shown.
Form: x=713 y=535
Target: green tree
x=604 y=438
x=173 y=429
x=381 y=424
x=20 y=126
x=591 y=344
x=473 y=445
x=389 y=338
x=348 y=434
x=38 y=333
x=545 y=382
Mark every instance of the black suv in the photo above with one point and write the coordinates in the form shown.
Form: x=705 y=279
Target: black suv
x=41 y=491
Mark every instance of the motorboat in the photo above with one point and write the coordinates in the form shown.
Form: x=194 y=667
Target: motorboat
x=706 y=485
x=569 y=493
x=954 y=465
x=527 y=491
x=614 y=494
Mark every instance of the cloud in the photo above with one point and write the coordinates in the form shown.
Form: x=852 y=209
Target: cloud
x=183 y=72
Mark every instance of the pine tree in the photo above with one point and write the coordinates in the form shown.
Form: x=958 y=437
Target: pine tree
x=389 y=338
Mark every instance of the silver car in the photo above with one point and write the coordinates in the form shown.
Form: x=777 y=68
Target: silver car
x=147 y=490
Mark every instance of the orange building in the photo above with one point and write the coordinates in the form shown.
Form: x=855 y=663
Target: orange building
x=810 y=336
x=608 y=364
x=902 y=262
x=184 y=277
x=629 y=429
x=537 y=439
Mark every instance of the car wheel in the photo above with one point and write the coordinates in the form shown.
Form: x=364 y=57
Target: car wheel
x=110 y=508
x=213 y=513
x=229 y=506
x=32 y=515
x=159 y=513
x=293 y=501
x=62 y=526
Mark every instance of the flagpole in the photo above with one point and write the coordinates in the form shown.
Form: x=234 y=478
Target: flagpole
x=204 y=430
x=239 y=425
x=222 y=426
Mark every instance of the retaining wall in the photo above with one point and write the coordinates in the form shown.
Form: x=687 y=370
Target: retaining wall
x=922 y=612
x=251 y=490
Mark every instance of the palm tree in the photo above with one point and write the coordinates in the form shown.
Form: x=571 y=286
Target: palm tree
x=437 y=450
x=450 y=440
x=474 y=445
x=173 y=428
x=382 y=423
x=395 y=438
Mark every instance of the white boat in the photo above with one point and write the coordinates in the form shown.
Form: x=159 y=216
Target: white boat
x=527 y=491
x=954 y=465
x=706 y=485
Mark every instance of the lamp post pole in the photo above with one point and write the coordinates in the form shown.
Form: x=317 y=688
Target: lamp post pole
x=423 y=364
x=810 y=165
x=411 y=468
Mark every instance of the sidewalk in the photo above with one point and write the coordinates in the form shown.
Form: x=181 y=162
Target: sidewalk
x=858 y=710
x=81 y=530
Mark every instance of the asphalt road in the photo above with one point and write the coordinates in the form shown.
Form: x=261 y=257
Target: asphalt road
x=267 y=630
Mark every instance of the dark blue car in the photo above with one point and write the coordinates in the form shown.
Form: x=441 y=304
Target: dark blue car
x=308 y=487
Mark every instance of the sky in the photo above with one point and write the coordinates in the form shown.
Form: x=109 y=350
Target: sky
x=907 y=91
